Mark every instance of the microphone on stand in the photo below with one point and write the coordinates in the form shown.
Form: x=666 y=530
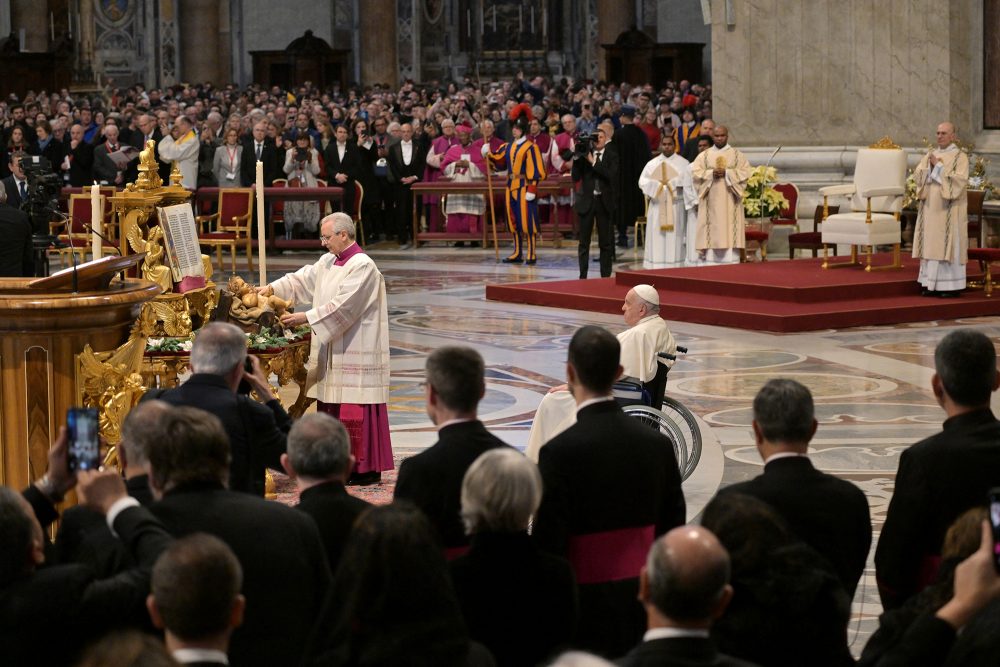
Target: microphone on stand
x=72 y=252
x=766 y=167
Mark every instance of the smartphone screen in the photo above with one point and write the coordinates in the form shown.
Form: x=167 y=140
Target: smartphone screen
x=84 y=444
x=995 y=524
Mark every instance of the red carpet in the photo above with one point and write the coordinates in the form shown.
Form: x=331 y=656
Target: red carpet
x=784 y=296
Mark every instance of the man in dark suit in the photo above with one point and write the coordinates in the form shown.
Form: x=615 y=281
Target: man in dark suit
x=286 y=575
x=406 y=167
x=827 y=513
x=255 y=148
x=195 y=599
x=80 y=156
x=941 y=477
x=16 y=185
x=684 y=587
x=602 y=505
x=257 y=433
x=48 y=612
x=432 y=479
x=17 y=256
x=319 y=460
x=106 y=171
x=595 y=178
x=343 y=165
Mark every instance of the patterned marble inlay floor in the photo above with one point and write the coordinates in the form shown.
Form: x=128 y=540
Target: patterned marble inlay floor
x=872 y=385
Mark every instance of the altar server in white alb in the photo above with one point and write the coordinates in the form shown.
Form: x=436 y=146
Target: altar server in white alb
x=641 y=344
x=348 y=368
x=672 y=216
x=720 y=175
x=941 y=237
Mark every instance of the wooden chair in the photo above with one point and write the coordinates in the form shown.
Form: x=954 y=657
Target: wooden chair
x=788 y=216
x=976 y=198
x=811 y=240
x=75 y=232
x=232 y=225
x=985 y=257
x=876 y=199
x=355 y=212
x=110 y=222
x=760 y=236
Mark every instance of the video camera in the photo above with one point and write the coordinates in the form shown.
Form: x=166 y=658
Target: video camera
x=584 y=147
x=42 y=201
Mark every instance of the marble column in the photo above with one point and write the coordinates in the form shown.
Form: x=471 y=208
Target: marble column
x=87 y=34
x=613 y=18
x=31 y=16
x=224 y=52
x=379 y=62
x=199 y=29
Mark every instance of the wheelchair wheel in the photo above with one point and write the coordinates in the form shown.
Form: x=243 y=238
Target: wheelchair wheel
x=685 y=420
x=665 y=425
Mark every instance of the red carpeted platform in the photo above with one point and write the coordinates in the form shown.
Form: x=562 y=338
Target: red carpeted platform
x=783 y=296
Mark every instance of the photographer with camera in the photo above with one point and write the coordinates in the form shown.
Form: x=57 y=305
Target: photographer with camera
x=301 y=166
x=16 y=184
x=16 y=251
x=595 y=175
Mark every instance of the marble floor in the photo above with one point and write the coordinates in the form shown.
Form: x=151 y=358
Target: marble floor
x=871 y=385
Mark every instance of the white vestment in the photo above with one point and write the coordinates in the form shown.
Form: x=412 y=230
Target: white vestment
x=665 y=247
x=640 y=346
x=185 y=152
x=349 y=357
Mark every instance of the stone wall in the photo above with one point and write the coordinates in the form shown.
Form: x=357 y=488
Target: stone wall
x=831 y=73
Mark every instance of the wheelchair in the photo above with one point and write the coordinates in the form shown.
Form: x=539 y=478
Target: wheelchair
x=646 y=402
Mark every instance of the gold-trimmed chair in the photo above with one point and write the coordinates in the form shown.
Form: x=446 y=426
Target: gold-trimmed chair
x=876 y=199
x=232 y=225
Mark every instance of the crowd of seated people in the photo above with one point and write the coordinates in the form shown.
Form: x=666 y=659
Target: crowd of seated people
x=589 y=550
x=216 y=133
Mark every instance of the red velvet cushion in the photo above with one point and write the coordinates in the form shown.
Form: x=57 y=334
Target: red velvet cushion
x=805 y=237
x=784 y=221
x=756 y=235
x=986 y=254
x=218 y=236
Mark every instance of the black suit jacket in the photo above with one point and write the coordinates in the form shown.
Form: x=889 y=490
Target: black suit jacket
x=603 y=174
x=398 y=170
x=432 y=479
x=508 y=588
x=285 y=572
x=679 y=652
x=268 y=155
x=351 y=166
x=938 y=479
x=607 y=472
x=827 y=513
x=334 y=511
x=13 y=192
x=17 y=258
x=257 y=433
x=48 y=615
x=81 y=165
x=105 y=170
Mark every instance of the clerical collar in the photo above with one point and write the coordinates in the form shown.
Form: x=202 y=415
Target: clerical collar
x=948 y=148
x=720 y=149
x=349 y=251
x=518 y=142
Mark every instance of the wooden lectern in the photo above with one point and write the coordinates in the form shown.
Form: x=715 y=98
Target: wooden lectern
x=43 y=330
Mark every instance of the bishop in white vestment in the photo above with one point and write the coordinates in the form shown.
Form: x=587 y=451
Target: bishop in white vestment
x=348 y=368
x=941 y=236
x=720 y=175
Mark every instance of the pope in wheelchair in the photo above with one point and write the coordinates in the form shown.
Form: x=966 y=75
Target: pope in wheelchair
x=643 y=369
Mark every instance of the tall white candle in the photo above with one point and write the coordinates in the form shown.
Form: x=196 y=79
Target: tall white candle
x=96 y=209
x=261 y=237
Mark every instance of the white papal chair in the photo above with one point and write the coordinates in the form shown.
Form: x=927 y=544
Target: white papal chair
x=876 y=198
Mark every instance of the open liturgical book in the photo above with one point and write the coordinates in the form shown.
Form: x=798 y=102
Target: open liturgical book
x=180 y=239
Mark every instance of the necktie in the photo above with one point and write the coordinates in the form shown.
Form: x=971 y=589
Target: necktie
x=24 y=190
x=258 y=152
x=599 y=155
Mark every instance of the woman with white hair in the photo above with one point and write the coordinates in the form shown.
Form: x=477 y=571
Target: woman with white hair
x=505 y=586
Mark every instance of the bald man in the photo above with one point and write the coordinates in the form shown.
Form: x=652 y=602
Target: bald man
x=941 y=237
x=645 y=338
x=683 y=587
x=720 y=177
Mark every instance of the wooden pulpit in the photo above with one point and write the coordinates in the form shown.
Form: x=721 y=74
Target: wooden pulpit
x=44 y=327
